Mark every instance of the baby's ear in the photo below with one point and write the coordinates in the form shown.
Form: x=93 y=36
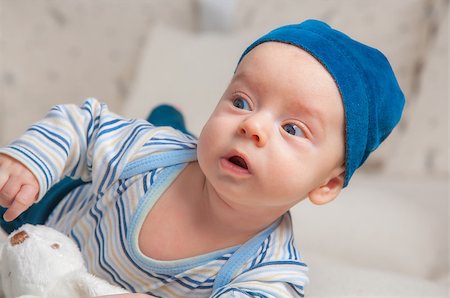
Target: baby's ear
x=330 y=189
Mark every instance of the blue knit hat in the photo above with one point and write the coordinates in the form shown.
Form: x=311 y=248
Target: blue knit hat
x=373 y=101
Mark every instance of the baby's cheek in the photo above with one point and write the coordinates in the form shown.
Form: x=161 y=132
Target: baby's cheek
x=288 y=180
x=205 y=149
x=204 y=141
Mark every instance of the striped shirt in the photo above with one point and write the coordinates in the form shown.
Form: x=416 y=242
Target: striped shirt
x=129 y=164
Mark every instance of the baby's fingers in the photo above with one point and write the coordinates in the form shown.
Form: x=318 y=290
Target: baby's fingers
x=3 y=178
x=24 y=199
x=8 y=192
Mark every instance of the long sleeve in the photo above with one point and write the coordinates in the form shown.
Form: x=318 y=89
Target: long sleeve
x=260 y=289
x=80 y=142
x=274 y=279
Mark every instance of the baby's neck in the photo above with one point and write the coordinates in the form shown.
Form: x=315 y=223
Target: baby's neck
x=212 y=211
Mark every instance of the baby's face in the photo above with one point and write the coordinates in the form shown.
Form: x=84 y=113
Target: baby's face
x=277 y=132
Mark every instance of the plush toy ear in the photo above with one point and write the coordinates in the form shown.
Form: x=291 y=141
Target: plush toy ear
x=329 y=189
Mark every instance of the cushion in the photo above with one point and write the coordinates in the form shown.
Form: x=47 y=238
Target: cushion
x=385 y=223
x=331 y=278
x=431 y=153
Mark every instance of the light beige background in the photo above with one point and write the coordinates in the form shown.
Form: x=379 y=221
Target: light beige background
x=387 y=235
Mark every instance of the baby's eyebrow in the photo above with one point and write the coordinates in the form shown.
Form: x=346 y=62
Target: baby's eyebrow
x=313 y=115
x=242 y=75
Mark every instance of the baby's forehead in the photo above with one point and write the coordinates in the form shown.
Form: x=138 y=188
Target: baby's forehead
x=287 y=67
x=273 y=49
x=267 y=56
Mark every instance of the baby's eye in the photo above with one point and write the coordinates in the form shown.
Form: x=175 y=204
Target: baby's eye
x=293 y=129
x=241 y=103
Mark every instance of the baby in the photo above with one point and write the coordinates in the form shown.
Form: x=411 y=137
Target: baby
x=161 y=213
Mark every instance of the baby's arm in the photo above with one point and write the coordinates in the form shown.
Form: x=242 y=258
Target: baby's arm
x=19 y=188
x=272 y=279
x=87 y=142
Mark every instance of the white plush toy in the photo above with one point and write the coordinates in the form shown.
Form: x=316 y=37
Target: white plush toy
x=38 y=261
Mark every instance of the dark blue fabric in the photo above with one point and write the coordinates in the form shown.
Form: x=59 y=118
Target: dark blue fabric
x=372 y=98
x=167 y=115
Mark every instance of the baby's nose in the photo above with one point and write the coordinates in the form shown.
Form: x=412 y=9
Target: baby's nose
x=256 y=129
x=18 y=238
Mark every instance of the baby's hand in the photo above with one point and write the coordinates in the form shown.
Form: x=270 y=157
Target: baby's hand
x=19 y=188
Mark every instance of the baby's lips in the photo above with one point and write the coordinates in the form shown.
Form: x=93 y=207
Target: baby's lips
x=241 y=156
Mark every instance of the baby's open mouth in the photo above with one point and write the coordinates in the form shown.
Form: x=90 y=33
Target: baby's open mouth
x=239 y=161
